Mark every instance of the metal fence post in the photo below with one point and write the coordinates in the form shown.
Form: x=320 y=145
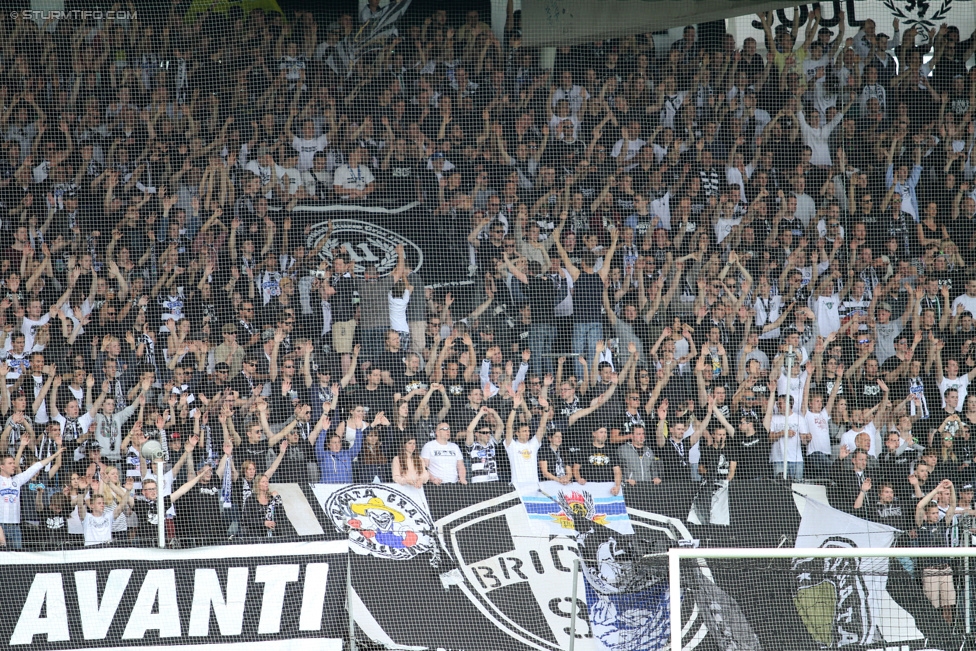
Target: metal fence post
x=572 y=608
x=352 y=620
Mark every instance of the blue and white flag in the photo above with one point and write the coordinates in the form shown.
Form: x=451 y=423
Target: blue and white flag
x=552 y=508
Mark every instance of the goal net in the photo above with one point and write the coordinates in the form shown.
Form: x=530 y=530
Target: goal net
x=832 y=596
x=422 y=325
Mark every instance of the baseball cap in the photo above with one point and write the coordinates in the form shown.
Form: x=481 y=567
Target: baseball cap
x=229 y=329
x=966 y=487
x=885 y=306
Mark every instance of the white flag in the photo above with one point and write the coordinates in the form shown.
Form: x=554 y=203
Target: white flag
x=859 y=610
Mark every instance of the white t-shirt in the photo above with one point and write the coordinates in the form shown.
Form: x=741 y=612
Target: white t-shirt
x=398 y=311
x=767 y=312
x=847 y=439
x=788 y=445
x=827 y=312
x=352 y=179
x=968 y=303
x=75 y=527
x=524 y=460
x=961 y=384
x=307 y=148
x=724 y=226
x=266 y=174
x=816 y=424
x=633 y=147
x=98 y=529
x=442 y=460
x=41 y=417
x=795 y=384
x=10 y=494
x=30 y=328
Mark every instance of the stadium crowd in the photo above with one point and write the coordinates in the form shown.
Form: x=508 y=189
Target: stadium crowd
x=693 y=264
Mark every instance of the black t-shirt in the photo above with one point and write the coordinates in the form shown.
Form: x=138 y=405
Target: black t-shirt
x=488 y=253
x=392 y=363
x=256 y=452
x=596 y=464
x=626 y=423
x=410 y=383
x=294 y=465
x=380 y=399
x=751 y=454
x=890 y=365
x=341 y=302
x=460 y=415
x=717 y=461
x=932 y=535
x=868 y=392
x=55 y=527
x=148 y=514
x=401 y=179
x=199 y=515
x=556 y=464
x=541 y=293
x=674 y=457
x=894 y=513
x=517 y=334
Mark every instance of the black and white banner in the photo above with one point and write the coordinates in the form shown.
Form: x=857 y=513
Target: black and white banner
x=846 y=602
x=465 y=568
x=285 y=597
x=435 y=245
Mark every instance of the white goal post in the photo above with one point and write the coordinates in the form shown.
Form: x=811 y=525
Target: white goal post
x=676 y=554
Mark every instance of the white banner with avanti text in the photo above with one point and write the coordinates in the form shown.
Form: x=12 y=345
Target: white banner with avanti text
x=286 y=597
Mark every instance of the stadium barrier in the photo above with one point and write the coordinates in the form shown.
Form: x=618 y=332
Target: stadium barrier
x=483 y=566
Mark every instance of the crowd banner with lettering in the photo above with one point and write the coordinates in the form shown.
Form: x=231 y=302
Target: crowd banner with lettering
x=281 y=597
x=385 y=520
x=502 y=584
x=566 y=22
x=923 y=16
x=563 y=22
x=465 y=567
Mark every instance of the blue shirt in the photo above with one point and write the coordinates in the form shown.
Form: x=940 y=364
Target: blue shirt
x=336 y=467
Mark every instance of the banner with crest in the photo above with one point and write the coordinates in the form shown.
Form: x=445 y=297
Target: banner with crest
x=552 y=508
